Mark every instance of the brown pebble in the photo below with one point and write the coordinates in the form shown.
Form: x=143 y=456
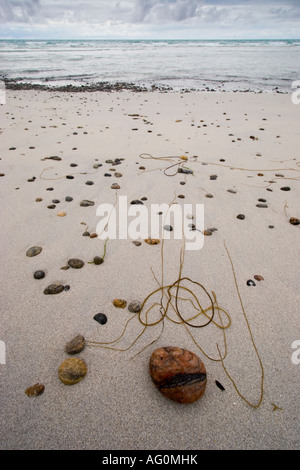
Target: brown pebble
x=93 y=235
x=35 y=390
x=119 y=303
x=152 y=241
x=76 y=345
x=178 y=374
x=258 y=277
x=294 y=221
x=72 y=370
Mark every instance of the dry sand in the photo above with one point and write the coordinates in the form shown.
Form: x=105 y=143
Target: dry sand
x=116 y=406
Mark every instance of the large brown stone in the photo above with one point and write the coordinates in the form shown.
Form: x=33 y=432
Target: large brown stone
x=178 y=374
x=72 y=370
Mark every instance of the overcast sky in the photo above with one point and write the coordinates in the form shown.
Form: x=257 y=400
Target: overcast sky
x=150 y=19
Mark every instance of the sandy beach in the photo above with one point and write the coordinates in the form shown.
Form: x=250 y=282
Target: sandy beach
x=243 y=150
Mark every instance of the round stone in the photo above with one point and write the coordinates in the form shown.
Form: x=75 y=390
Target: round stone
x=98 y=260
x=100 y=318
x=178 y=374
x=76 y=345
x=33 y=251
x=54 y=289
x=115 y=186
x=135 y=306
x=119 y=303
x=68 y=198
x=39 y=274
x=75 y=263
x=72 y=370
x=240 y=216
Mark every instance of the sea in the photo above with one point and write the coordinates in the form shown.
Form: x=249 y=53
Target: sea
x=215 y=65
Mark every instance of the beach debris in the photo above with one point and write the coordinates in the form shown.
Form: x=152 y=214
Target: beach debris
x=100 y=318
x=54 y=289
x=119 y=303
x=35 y=391
x=240 y=216
x=136 y=201
x=178 y=374
x=39 y=274
x=135 y=306
x=258 y=277
x=75 y=263
x=72 y=370
x=76 y=345
x=294 y=221
x=152 y=241
x=86 y=203
x=251 y=283
x=220 y=386
x=33 y=251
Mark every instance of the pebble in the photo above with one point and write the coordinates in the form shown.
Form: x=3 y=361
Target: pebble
x=262 y=200
x=258 y=277
x=72 y=370
x=75 y=263
x=101 y=318
x=185 y=171
x=107 y=174
x=89 y=183
x=178 y=374
x=70 y=177
x=86 y=203
x=38 y=199
x=135 y=306
x=232 y=191
x=136 y=201
x=207 y=233
x=86 y=234
x=262 y=205
x=54 y=289
x=137 y=243
x=181 y=196
x=152 y=241
x=61 y=214
x=39 y=274
x=168 y=228
x=119 y=303
x=35 y=390
x=240 y=216
x=98 y=260
x=294 y=221
x=33 y=251
x=209 y=195
x=51 y=206
x=285 y=188
x=68 y=198
x=55 y=201
x=115 y=186
x=213 y=177
x=250 y=283
x=118 y=175
x=76 y=345
x=73 y=165
x=93 y=235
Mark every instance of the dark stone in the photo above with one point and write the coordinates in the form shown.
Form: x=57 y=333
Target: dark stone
x=213 y=177
x=136 y=201
x=54 y=289
x=35 y=391
x=39 y=274
x=100 y=318
x=70 y=177
x=178 y=374
x=98 y=260
x=33 y=251
x=250 y=283
x=68 y=198
x=56 y=201
x=135 y=306
x=240 y=216
x=89 y=183
x=86 y=203
x=285 y=188
x=262 y=205
x=75 y=263
x=168 y=228
x=294 y=221
x=51 y=206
